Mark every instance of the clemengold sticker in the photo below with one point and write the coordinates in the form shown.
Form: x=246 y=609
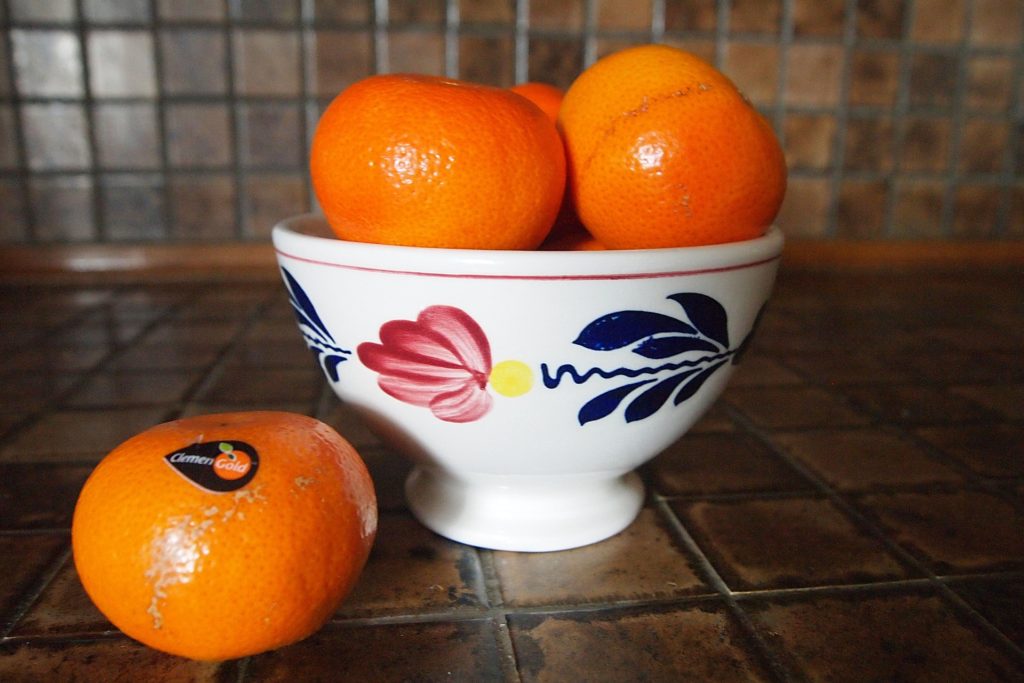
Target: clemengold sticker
x=219 y=466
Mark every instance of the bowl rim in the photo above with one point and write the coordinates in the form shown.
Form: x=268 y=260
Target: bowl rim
x=308 y=238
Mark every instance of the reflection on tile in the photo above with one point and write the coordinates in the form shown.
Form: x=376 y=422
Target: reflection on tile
x=642 y=562
x=191 y=61
x=721 y=463
x=46 y=151
x=415 y=571
x=126 y=136
x=696 y=643
x=47 y=63
x=266 y=62
x=958 y=532
x=785 y=543
x=912 y=636
x=121 y=64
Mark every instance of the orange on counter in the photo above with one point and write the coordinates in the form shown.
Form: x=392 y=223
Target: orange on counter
x=546 y=96
x=434 y=162
x=664 y=151
x=221 y=536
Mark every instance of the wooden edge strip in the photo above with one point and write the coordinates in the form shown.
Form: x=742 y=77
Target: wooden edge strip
x=248 y=261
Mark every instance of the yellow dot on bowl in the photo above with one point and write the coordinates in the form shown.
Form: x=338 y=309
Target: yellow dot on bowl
x=511 y=378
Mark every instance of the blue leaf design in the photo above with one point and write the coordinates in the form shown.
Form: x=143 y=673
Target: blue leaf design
x=605 y=404
x=651 y=400
x=303 y=307
x=706 y=314
x=622 y=328
x=691 y=387
x=666 y=347
x=331 y=364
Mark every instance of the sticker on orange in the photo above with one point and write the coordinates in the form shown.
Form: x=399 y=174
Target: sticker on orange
x=219 y=466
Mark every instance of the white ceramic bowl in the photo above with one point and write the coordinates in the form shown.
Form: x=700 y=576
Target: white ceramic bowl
x=525 y=386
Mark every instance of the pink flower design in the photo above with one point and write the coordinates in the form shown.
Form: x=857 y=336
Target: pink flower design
x=441 y=361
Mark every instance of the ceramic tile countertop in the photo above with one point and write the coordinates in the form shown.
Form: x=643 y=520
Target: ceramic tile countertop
x=850 y=510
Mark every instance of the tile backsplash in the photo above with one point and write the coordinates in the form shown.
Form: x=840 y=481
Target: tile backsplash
x=189 y=120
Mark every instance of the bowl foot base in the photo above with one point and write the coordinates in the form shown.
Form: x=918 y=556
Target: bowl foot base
x=524 y=513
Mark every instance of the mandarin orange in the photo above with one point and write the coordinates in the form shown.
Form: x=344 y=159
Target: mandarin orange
x=220 y=536
x=664 y=151
x=546 y=96
x=435 y=162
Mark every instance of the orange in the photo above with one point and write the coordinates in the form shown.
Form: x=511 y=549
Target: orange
x=434 y=162
x=221 y=536
x=547 y=97
x=664 y=151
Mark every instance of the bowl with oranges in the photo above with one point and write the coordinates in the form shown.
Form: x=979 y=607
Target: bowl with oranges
x=530 y=301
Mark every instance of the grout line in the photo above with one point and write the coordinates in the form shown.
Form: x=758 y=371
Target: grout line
x=900 y=114
x=380 y=36
x=590 y=10
x=166 y=211
x=957 y=118
x=88 y=105
x=452 y=25
x=785 y=41
x=521 y=37
x=849 y=37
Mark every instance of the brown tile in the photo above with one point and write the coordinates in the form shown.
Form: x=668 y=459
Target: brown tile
x=874 y=77
x=203 y=207
x=1015 y=221
x=273 y=353
x=37 y=496
x=861 y=209
x=996 y=23
x=809 y=140
x=416 y=11
x=804 y=211
x=880 y=18
x=62 y=608
x=1006 y=399
x=944 y=366
x=487 y=59
x=462 y=650
x=256 y=386
x=22 y=559
x=715 y=421
x=341 y=11
x=266 y=62
x=999 y=602
x=556 y=14
x=347 y=422
x=341 y=58
x=785 y=543
x=868 y=144
x=702 y=464
x=912 y=404
x=554 y=60
x=926 y=144
x=61 y=11
x=185 y=356
x=695 y=643
x=988 y=450
x=186 y=58
x=932 y=78
x=190 y=10
x=865 y=459
x=759 y=370
x=126 y=136
x=691 y=15
x=607 y=45
x=107 y=659
x=755 y=16
x=818 y=17
x=642 y=562
x=388 y=468
x=267 y=11
x=13 y=212
x=198 y=135
x=841 y=367
x=918 y=209
x=619 y=15
x=814 y=75
x=937 y=21
x=486 y=12
x=910 y=637
x=416 y=52
x=62 y=206
x=989 y=82
x=792 y=407
x=958 y=532
x=701 y=47
x=754 y=68
x=976 y=210
x=982 y=146
x=130 y=389
x=133 y=206
x=270 y=197
x=54 y=358
x=411 y=569
x=79 y=435
x=271 y=135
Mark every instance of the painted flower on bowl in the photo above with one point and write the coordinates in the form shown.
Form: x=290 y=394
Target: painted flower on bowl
x=441 y=361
